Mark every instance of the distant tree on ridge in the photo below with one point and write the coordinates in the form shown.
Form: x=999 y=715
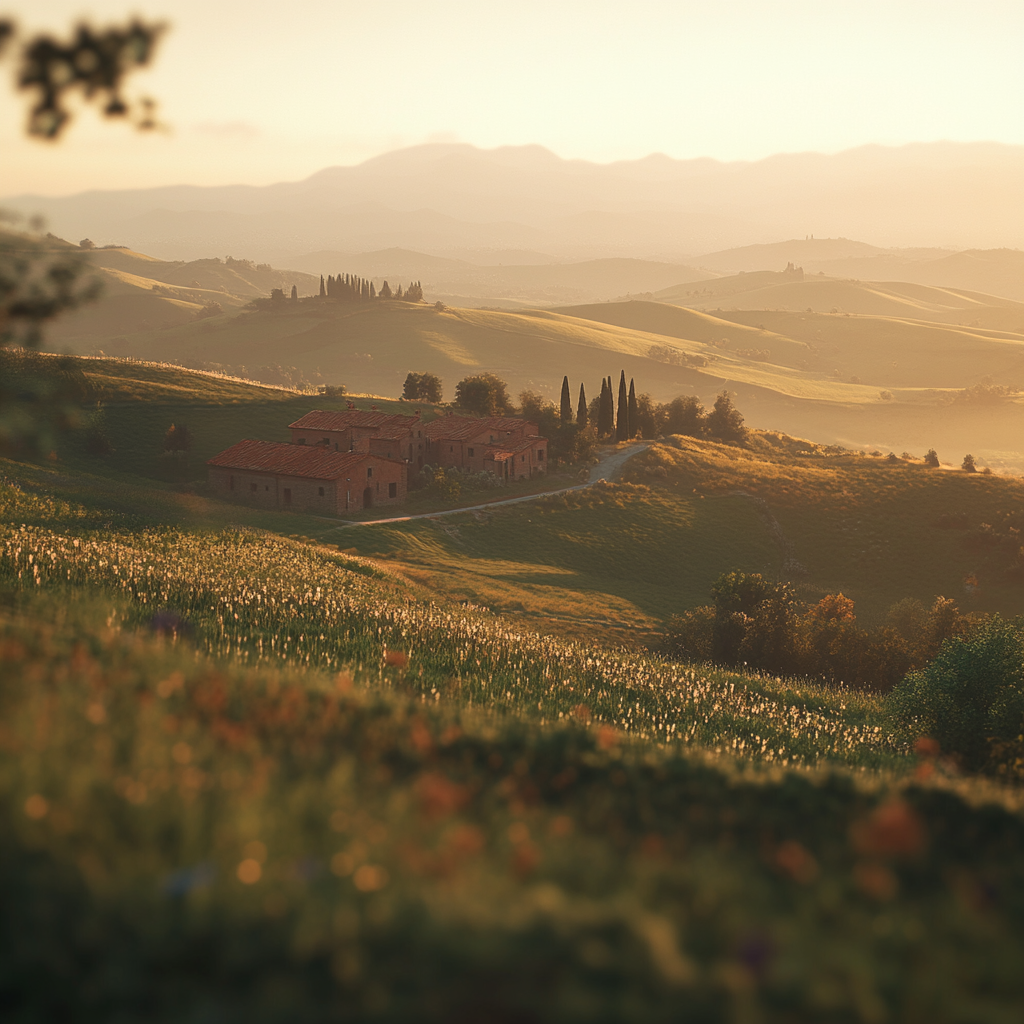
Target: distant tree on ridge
x=565 y=407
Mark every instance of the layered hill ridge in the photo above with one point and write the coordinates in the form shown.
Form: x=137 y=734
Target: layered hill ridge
x=447 y=197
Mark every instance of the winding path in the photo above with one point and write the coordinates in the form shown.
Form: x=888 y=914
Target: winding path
x=607 y=468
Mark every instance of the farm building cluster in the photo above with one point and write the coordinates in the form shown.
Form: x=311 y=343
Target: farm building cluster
x=339 y=462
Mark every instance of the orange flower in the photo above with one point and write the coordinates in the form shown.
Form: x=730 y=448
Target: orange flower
x=439 y=797
x=875 y=880
x=892 y=830
x=797 y=862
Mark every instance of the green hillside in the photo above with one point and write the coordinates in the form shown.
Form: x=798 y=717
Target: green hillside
x=860 y=364
x=258 y=774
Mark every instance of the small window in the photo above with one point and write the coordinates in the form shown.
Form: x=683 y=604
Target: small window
x=369 y=472
x=392 y=490
x=451 y=448
x=267 y=487
x=287 y=495
x=522 y=458
x=252 y=487
x=540 y=454
x=320 y=491
x=472 y=452
x=301 y=440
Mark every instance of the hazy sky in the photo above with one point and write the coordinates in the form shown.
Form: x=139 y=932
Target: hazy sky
x=259 y=92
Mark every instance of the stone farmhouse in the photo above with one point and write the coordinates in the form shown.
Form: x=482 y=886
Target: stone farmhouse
x=339 y=462
x=506 y=446
x=278 y=475
x=398 y=437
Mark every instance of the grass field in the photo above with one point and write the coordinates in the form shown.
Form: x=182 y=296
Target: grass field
x=334 y=795
x=608 y=563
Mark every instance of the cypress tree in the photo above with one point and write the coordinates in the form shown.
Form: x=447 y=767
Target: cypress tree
x=566 y=405
x=295 y=293
x=373 y=291
x=622 y=421
x=602 y=410
x=581 y=409
x=634 y=418
x=323 y=288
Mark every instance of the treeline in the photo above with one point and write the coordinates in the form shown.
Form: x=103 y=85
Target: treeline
x=630 y=415
x=764 y=625
x=350 y=288
x=954 y=682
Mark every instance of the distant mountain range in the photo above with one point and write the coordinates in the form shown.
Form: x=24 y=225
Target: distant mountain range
x=457 y=201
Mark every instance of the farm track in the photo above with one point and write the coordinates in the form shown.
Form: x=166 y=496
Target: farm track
x=607 y=468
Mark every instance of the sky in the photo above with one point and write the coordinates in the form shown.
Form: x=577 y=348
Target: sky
x=258 y=92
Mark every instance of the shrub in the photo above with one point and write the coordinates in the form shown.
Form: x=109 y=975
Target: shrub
x=932 y=459
x=970 y=697
x=690 y=636
x=178 y=439
x=968 y=465
x=445 y=485
x=754 y=621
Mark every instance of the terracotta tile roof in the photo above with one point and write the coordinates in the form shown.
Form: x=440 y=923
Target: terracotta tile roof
x=465 y=428
x=324 y=419
x=311 y=461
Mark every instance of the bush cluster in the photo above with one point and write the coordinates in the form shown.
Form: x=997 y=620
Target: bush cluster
x=764 y=625
x=970 y=698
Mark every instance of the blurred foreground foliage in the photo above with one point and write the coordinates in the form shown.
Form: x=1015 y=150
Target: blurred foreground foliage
x=188 y=840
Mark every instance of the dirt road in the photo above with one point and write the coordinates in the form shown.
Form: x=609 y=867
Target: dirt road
x=607 y=468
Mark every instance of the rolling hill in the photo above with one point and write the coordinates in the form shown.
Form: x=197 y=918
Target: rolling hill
x=446 y=198
x=542 y=281
x=991 y=271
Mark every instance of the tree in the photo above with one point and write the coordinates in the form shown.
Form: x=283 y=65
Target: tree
x=178 y=439
x=648 y=417
x=485 y=394
x=424 y=387
x=968 y=465
x=581 y=409
x=94 y=64
x=295 y=293
x=971 y=697
x=86 y=243
x=411 y=388
x=277 y=295
x=725 y=422
x=753 y=621
x=634 y=424
x=932 y=459
x=39 y=280
x=685 y=415
x=605 y=410
x=385 y=291
x=565 y=409
x=622 y=420
x=323 y=288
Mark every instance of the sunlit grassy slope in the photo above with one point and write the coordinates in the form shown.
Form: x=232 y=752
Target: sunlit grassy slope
x=139 y=401
x=606 y=562
x=621 y=560
x=333 y=797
